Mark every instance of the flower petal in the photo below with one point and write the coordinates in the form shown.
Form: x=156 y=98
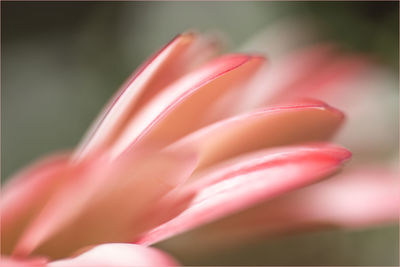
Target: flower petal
x=360 y=197
x=104 y=201
x=11 y=262
x=247 y=181
x=118 y=255
x=202 y=94
x=307 y=72
x=371 y=103
x=326 y=78
x=275 y=126
x=24 y=196
x=182 y=54
x=286 y=72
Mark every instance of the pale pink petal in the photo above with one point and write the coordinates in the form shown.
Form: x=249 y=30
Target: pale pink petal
x=249 y=180
x=199 y=98
x=285 y=72
x=371 y=103
x=104 y=201
x=323 y=79
x=357 y=84
x=181 y=55
x=303 y=73
x=118 y=255
x=360 y=197
x=32 y=262
x=26 y=193
x=275 y=126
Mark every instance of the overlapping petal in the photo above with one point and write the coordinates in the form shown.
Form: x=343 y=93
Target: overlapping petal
x=199 y=98
x=246 y=181
x=268 y=127
x=27 y=193
x=182 y=54
x=356 y=198
x=103 y=201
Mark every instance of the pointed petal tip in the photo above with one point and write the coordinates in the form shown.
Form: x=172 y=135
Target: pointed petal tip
x=238 y=59
x=332 y=109
x=340 y=153
x=187 y=34
x=310 y=102
x=185 y=37
x=257 y=56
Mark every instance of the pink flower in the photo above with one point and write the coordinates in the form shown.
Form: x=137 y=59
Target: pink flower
x=184 y=143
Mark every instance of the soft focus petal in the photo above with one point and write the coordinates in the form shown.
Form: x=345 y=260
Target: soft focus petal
x=358 y=198
x=286 y=72
x=118 y=255
x=11 y=262
x=246 y=181
x=356 y=84
x=104 y=201
x=275 y=126
x=304 y=73
x=182 y=54
x=24 y=196
x=200 y=98
x=372 y=105
x=338 y=70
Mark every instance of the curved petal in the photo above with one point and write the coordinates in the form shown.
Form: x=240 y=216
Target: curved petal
x=181 y=55
x=275 y=126
x=360 y=197
x=25 y=195
x=118 y=255
x=103 y=200
x=247 y=181
x=205 y=94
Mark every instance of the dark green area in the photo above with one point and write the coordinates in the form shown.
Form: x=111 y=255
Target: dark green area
x=326 y=248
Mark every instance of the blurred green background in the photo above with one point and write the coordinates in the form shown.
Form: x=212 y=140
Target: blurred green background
x=61 y=61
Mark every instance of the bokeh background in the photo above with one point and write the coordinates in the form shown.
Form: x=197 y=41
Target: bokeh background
x=61 y=61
